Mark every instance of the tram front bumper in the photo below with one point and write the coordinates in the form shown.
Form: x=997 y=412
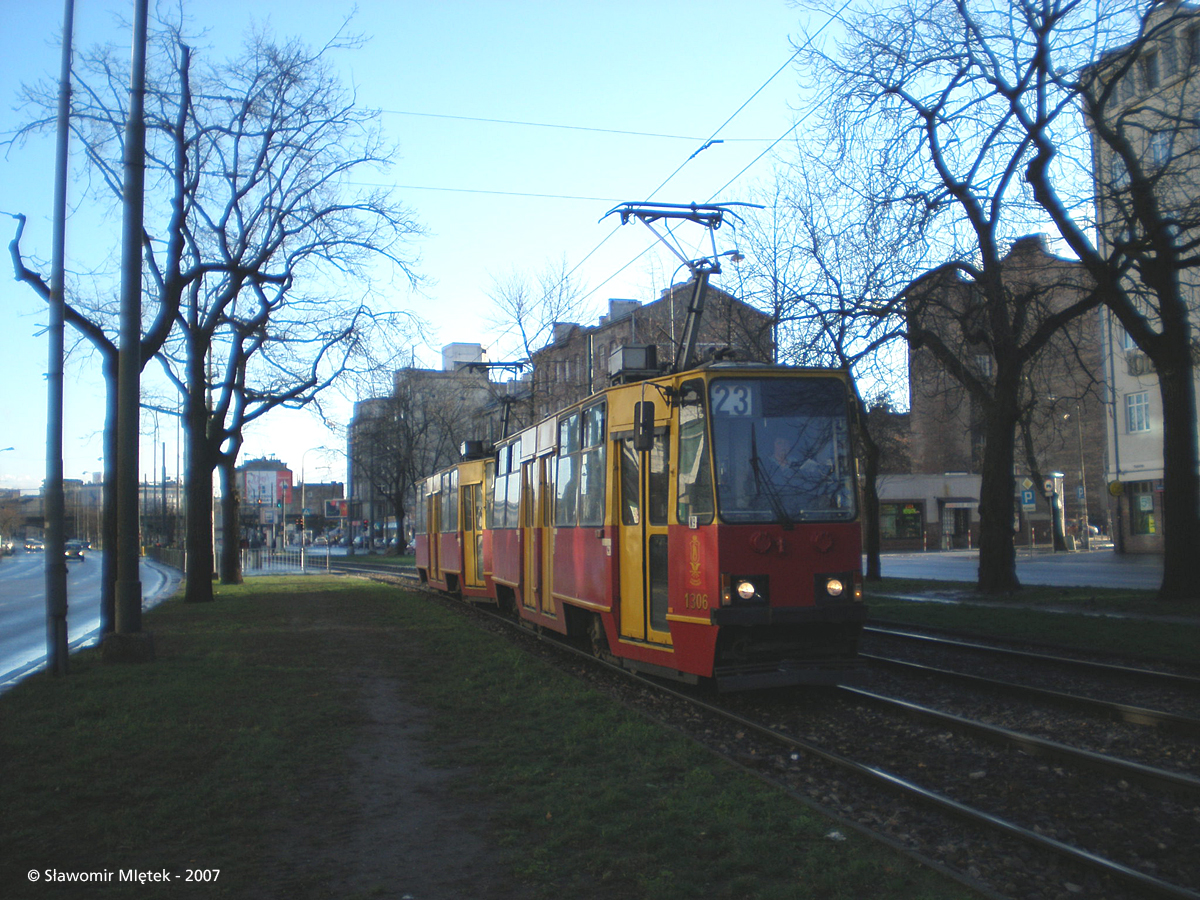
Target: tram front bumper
x=841 y=613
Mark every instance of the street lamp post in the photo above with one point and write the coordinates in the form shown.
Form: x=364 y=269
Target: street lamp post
x=1085 y=524
x=303 y=509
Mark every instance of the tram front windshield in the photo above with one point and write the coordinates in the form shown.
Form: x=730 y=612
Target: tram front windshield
x=782 y=449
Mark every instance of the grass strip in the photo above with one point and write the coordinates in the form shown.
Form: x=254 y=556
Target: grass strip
x=218 y=750
x=1142 y=627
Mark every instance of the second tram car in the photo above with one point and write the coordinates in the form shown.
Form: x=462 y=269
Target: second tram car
x=700 y=525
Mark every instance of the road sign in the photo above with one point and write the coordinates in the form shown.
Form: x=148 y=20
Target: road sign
x=1028 y=503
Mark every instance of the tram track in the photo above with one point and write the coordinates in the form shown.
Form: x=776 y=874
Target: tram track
x=1161 y=779
x=788 y=760
x=1172 y=680
x=1125 y=712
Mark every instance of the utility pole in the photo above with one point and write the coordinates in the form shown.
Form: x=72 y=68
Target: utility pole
x=55 y=561
x=128 y=643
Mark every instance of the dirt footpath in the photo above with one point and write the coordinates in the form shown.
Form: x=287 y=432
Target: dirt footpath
x=387 y=826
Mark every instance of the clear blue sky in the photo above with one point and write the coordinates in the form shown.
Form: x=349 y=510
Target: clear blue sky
x=661 y=67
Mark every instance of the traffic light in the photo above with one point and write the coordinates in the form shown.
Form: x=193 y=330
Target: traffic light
x=365 y=523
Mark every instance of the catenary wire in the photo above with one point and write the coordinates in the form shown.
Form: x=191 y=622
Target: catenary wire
x=648 y=134
x=836 y=16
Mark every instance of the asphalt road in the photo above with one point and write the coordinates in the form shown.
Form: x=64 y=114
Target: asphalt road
x=1097 y=568
x=23 y=607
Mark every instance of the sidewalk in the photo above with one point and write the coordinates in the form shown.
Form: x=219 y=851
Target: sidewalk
x=966 y=600
x=1088 y=568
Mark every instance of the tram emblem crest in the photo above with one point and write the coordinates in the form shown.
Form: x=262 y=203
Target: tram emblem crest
x=695 y=575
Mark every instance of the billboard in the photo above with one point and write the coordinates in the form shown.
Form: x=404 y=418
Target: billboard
x=266 y=489
x=337 y=509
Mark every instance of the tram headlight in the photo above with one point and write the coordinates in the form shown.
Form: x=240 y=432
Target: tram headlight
x=740 y=589
x=836 y=587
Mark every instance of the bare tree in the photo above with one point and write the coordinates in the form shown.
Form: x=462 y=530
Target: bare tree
x=527 y=307
x=413 y=430
x=1030 y=112
x=948 y=100
x=825 y=262
x=263 y=222
x=529 y=304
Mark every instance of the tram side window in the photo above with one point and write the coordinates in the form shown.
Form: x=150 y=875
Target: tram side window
x=449 y=501
x=592 y=467
x=567 y=491
x=630 y=484
x=445 y=501
x=500 y=488
x=418 y=513
x=489 y=510
x=695 y=473
x=513 y=510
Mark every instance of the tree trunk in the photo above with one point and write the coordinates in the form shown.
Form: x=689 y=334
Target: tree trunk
x=1181 y=500
x=230 y=562
x=199 y=575
x=997 y=553
x=199 y=526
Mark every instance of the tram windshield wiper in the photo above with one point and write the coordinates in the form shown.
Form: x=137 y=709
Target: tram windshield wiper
x=764 y=486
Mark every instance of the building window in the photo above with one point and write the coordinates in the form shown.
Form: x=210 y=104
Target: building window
x=1128 y=86
x=1169 y=63
x=1141 y=508
x=1117 y=173
x=901 y=521
x=1150 y=70
x=1137 y=412
x=1160 y=148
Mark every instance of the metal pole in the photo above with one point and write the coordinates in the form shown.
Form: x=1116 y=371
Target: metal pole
x=55 y=561
x=129 y=586
x=1087 y=532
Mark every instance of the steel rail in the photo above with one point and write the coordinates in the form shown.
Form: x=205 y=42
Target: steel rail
x=344 y=565
x=1172 y=678
x=1159 y=778
x=1138 y=715
x=1153 y=886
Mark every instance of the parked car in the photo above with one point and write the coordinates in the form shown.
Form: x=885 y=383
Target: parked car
x=73 y=550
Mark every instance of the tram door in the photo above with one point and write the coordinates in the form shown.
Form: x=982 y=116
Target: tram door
x=537 y=535
x=472 y=498
x=433 y=516
x=643 y=541
x=531 y=521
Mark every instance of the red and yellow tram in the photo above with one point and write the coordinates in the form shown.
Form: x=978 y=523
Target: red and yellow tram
x=702 y=524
